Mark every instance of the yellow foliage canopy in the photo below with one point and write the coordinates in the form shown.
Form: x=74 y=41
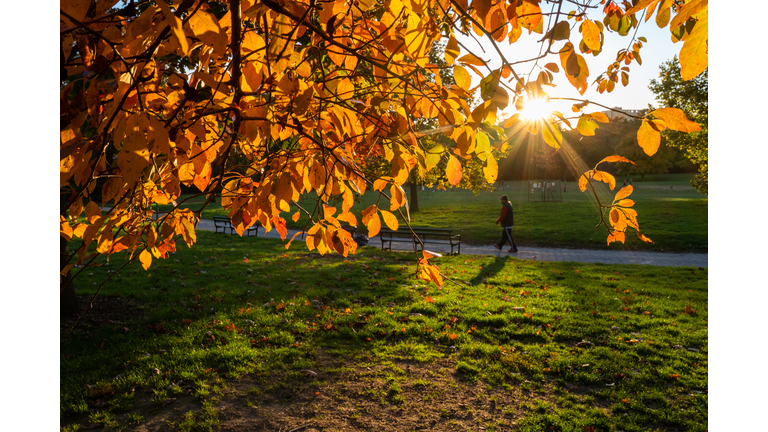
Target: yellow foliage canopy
x=259 y=102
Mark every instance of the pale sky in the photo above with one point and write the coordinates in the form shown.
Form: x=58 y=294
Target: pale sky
x=636 y=95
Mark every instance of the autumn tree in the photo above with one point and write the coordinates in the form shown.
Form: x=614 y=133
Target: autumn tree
x=659 y=163
x=260 y=101
x=692 y=97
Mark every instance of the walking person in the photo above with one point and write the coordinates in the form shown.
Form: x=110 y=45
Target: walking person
x=507 y=220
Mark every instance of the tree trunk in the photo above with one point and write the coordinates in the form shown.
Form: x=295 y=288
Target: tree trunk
x=68 y=300
x=414 y=197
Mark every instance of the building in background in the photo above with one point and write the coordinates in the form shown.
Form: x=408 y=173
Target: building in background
x=613 y=115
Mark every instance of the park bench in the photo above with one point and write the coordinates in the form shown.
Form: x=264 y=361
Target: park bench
x=439 y=236
x=224 y=224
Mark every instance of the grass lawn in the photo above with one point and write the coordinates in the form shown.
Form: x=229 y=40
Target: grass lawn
x=670 y=212
x=240 y=333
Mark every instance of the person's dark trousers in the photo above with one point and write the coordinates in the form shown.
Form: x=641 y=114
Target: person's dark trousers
x=506 y=236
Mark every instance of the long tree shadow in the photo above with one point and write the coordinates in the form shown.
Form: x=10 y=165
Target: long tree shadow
x=490 y=270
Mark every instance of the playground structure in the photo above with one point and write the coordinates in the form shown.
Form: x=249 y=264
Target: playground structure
x=545 y=191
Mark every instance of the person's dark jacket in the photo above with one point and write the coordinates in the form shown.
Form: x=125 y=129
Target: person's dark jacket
x=507 y=218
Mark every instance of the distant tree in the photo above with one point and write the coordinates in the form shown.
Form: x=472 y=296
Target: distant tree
x=660 y=163
x=692 y=97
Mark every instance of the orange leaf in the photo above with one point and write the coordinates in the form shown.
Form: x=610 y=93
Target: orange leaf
x=472 y=60
x=623 y=193
x=644 y=238
x=626 y=203
x=605 y=177
x=615 y=158
x=92 y=212
x=583 y=183
x=616 y=236
x=427 y=254
x=649 y=138
x=675 y=119
x=601 y=117
x=390 y=220
x=368 y=213
x=146 y=259
x=451 y=50
x=328 y=211
x=374 y=225
x=591 y=34
x=175 y=23
x=694 y=56
x=453 y=170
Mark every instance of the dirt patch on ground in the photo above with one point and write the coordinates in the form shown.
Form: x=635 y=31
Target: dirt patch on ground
x=401 y=395
x=106 y=310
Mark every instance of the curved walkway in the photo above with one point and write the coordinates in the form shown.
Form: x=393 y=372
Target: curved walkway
x=544 y=254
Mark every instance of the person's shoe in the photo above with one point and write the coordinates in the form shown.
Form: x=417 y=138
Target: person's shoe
x=497 y=246
x=512 y=250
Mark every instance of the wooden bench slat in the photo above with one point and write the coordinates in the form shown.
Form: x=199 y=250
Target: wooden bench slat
x=442 y=236
x=225 y=224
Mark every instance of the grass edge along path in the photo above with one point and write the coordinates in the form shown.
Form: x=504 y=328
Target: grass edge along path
x=240 y=332
x=670 y=212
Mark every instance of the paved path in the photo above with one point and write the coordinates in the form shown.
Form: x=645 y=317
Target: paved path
x=545 y=254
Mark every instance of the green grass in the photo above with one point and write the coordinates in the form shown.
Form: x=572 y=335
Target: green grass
x=211 y=319
x=675 y=219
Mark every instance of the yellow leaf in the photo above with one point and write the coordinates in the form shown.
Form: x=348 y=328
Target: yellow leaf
x=328 y=211
x=491 y=169
x=228 y=193
x=601 y=117
x=462 y=78
x=691 y=8
x=175 y=23
x=591 y=34
x=368 y=213
x=586 y=126
x=615 y=158
x=417 y=40
x=616 y=236
x=349 y=218
x=626 y=203
x=206 y=28
x=623 y=193
x=146 y=259
x=345 y=89
x=583 y=183
x=390 y=220
x=397 y=197
x=644 y=238
x=675 y=119
x=374 y=225
x=551 y=134
x=451 y=50
x=605 y=177
x=472 y=60
x=380 y=183
x=252 y=41
x=453 y=170
x=649 y=137
x=530 y=17
x=66 y=230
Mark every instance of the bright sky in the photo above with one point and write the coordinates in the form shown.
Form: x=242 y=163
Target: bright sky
x=636 y=95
